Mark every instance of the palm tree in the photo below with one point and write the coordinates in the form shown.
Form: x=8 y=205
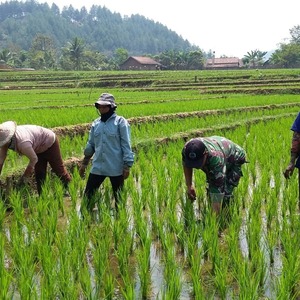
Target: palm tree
x=76 y=50
x=254 y=58
x=5 y=55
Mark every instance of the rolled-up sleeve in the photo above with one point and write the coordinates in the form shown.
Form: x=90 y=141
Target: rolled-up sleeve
x=27 y=150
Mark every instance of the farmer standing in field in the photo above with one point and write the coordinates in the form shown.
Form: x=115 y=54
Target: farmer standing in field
x=40 y=145
x=110 y=146
x=221 y=160
x=295 y=149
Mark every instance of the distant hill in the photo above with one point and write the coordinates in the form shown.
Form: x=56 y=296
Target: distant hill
x=100 y=29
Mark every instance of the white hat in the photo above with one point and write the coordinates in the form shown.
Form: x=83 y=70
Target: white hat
x=7 y=130
x=106 y=99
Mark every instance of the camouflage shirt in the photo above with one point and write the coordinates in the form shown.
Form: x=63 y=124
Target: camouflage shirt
x=223 y=156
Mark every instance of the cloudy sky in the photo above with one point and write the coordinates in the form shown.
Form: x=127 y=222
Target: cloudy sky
x=228 y=27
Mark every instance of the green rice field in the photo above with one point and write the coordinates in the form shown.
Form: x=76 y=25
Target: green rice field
x=160 y=246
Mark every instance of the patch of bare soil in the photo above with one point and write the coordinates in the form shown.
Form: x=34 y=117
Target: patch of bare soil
x=72 y=130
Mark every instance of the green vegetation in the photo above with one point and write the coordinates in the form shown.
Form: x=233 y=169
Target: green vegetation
x=102 y=29
x=160 y=246
x=37 y=36
x=41 y=37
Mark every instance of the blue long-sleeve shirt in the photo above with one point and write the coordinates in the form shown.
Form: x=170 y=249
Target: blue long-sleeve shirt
x=109 y=144
x=296 y=124
x=295 y=147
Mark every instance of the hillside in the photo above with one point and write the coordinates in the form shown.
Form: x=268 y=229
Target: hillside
x=100 y=29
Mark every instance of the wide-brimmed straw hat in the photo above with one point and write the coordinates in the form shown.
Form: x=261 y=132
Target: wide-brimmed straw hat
x=7 y=130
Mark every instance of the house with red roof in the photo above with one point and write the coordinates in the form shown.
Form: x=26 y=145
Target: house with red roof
x=140 y=63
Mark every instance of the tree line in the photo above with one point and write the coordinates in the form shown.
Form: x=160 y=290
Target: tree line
x=76 y=55
x=32 y=31
x=37 y=36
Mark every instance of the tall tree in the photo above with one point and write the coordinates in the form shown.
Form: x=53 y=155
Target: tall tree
x=254 y=58
x=42 y=52
x=195 y=60
x=76 y=49
x=295 y=34
x=120 y=56
x=288 y=56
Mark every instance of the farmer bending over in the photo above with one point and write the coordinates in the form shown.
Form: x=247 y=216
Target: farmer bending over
x=221 y=160
x=295 y=149
x=40 y=145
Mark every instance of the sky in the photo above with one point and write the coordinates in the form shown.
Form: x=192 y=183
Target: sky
x=228 y=27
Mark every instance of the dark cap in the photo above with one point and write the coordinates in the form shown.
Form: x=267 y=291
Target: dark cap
x=193 y=153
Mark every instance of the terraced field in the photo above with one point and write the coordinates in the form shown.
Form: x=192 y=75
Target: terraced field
x=161 y=246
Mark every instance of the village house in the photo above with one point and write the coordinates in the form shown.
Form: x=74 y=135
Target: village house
x=140 y=63
x=4 y=66
x=223 y=63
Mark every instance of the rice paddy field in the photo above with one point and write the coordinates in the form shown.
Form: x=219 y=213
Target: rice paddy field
x=160 y=245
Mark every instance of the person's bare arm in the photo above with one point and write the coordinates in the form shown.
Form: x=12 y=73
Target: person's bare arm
x=188 y=174
x=295 y=149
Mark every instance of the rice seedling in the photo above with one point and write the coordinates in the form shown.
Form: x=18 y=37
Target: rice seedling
x=48 y=265
x=248 y=283
x=128 y=291
x=101 y=249
x=195 y=262
x=124 y=241
x=109 y=286
x=6 y=277
x=66 y=281
x=23 y=253
x=143 y=259
x=173 y=275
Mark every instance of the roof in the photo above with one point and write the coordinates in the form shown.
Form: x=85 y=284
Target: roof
x=224 y=61
x=4 y=66
x=145 y=60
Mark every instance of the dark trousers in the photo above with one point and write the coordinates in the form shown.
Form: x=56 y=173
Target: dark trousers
x=53 y=157
x=93 y=184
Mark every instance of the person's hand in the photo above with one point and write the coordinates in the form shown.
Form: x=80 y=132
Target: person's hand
x=289 y=171
x=23 y=181
x=126 y=172
x=191 y=193
x=83 y=165
x=82 y=170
